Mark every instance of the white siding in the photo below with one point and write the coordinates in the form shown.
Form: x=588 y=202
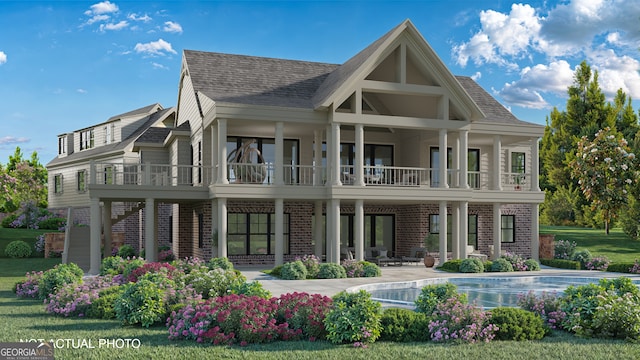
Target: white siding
x=187 y=105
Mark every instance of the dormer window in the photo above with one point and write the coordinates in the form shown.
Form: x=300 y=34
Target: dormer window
x=62 y=145
x=86 y=139
x=109 y=133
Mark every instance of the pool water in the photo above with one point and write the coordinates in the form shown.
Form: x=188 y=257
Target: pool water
x=487 y=292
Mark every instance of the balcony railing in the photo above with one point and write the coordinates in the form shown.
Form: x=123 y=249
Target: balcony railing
x=295 y=175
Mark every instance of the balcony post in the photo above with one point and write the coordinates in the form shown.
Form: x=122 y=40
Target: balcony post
x=222 y=152
x=92 y=172
x=335 y=154
x=442 y=148
x=457 y=252
x=150 y=230
x=359 y=170
x=95 y=232
x=443 y=231
x=464 y=227
x=497 y=231
x=333 y=231
x=497 y=164
x=317 y=157
x=279 y=232
x=106 y=223
x=318 y=229
x=222 y=227
x=535 y=165
x=455 y=163
x=359 y=230
x=214 y=154
x=279 y=163
x=464 y=159
x=535 y=232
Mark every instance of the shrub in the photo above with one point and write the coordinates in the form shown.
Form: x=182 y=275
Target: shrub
x=312 y=263
x=517 y=324
x=188 y=264
x=102 y=307
x=451 y=265
x=50 y=222
x=487 y=265
x=431 y=295
x=354 y=318
x=8 y=220
x=18 y=249
x=132 y=264
x=532 y=265
x=501 y=265
x=331 y=271
x=154 y=267
x=294 y=270
x=126 y=251
x=633 y=268
x=29 y=287
x=276 y=271
x=471 y=265
x=112 y=265
x=454 y=320
x=213 y=283
x=220 y=263
x=166 y=255
x=564 y=249
x=39 y=244
x=547 y=306
x=304 y=312
x=56 y=277
x=583 y=257
x=561 y=263
x=600 y=263
x=617 y=316
x=253 y=288
x=403 y=325
x=75 y=299
x=370 y=269
x=142 y=302
x=516 y=261
x=353 y=268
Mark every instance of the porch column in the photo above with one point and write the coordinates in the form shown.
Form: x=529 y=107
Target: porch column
x=222 y=152
x=333 y=233
x=279 y=163
x=497 y=163
x=149 y=230
x=95 y=231
x=318 y=229
x=535 y=232
x=317 y=158
x=457 y=250
x=359 y=230
x=106 y=224
x=535 y=165
x=215 y=249
x=464 y=227
x=222 y=227
x=279 y=232
x=497 y=231
x=464 y=158
x=214 y=154
x=455 y=162
x=442 y=144
x=443 y=232
x=359 y=170
x=335 y=154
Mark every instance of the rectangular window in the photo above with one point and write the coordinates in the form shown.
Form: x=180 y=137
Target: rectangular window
x=267 y=149
x=108 y=175
x=517 y=162
x=62 y=145
x=81 y=177
x=109 y=133
x=86 y=139
x=57 y=184
x=379 y=230
x=508 y=228
x=254 y=234
x=472 y=230
x=473 y=166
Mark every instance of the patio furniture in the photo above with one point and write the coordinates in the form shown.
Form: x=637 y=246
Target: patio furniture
x=416 y=255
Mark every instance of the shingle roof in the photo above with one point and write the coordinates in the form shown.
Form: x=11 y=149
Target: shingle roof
x=492 y=109
x=256 y=80
x=153 y=135
x=141 y=111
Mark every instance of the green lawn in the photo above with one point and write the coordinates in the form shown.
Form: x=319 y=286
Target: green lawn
x=26 y=319
x=28 y=235
x=616 y=246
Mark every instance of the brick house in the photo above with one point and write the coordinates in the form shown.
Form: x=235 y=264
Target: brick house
x=264 y=159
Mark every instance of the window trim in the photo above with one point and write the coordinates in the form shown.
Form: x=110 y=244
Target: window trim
x=81 y=174
x=58 y=184
x=450 y=232
x=270 y=234
x=511 y=229
x=519 y=169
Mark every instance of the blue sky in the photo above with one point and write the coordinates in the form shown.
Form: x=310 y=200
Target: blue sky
x=70 y=64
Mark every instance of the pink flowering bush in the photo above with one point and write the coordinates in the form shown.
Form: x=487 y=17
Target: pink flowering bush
x=635 y=269
x=188 y=264
x=29 y=287
x=600 y=263
x=547 y=306
x=166 y=255
x=564 y=249
x=455 y=321
x=75 y=299
x=312 y=263
x=153 y=267
x=304 y=311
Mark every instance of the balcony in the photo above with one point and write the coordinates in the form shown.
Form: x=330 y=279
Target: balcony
x=118 y=174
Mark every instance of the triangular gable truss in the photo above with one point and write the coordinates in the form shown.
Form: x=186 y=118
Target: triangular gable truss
x=403 y=77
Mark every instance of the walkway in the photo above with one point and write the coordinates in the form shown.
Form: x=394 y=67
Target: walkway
x=330 y=287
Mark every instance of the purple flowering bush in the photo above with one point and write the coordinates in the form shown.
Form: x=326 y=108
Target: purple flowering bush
x=564 y=249
x=600 y=263
x=547 y=306
x=454 y=320
x=635 y=269
x=75 y=299
x=28 y=289
x=312 y=263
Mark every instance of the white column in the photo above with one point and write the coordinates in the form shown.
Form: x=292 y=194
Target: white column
x=359 y=230
x=222 y=227
x=457 y=251
x=464 y=159
x=329 y=170
x=149 y=230
x=455 y=162
x=106 y=223
x=464 y=227
x=535 y=165
x=222 y=152
x=442 y=144
x=279 y=232
x=279 y=164
x=497 y=164
x=335 y=154
x=334 y=238
x=359 y=170
x=215 y=249
x=318 y=229
x=535 y=232
x=214 y=154
x=317 y=157
x=95 y=231
x=443 y=232
x=497 y=231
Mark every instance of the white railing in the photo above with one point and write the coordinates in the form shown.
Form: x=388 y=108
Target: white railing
x=149 y=174
x=515 y=181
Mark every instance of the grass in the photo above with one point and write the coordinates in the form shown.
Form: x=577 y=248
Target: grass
x=616 y=246
x=26 y=319
x=8 y=235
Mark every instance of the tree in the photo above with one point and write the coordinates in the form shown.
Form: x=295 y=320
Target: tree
x=604 y=168
x=22 y=181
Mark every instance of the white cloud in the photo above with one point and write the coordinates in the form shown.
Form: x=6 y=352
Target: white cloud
x=104 y=7
x=476 y=76
x=534 y=81
x=114 y=26
x=11 y=140
x=616 y=72
x=81 y=91
x=3 y=57
x=136 y=17
x=519 y=96
x=155 y=48
x=97 y=18
x=159 y=66
x=172 y=27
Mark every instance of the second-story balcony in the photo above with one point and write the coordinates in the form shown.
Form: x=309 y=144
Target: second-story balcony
x=119 y=174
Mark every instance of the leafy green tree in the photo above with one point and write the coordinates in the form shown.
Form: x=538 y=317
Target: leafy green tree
x=604 y=169
x=22 y=181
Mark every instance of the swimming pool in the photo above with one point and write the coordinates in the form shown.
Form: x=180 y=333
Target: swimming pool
x=488 y=292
